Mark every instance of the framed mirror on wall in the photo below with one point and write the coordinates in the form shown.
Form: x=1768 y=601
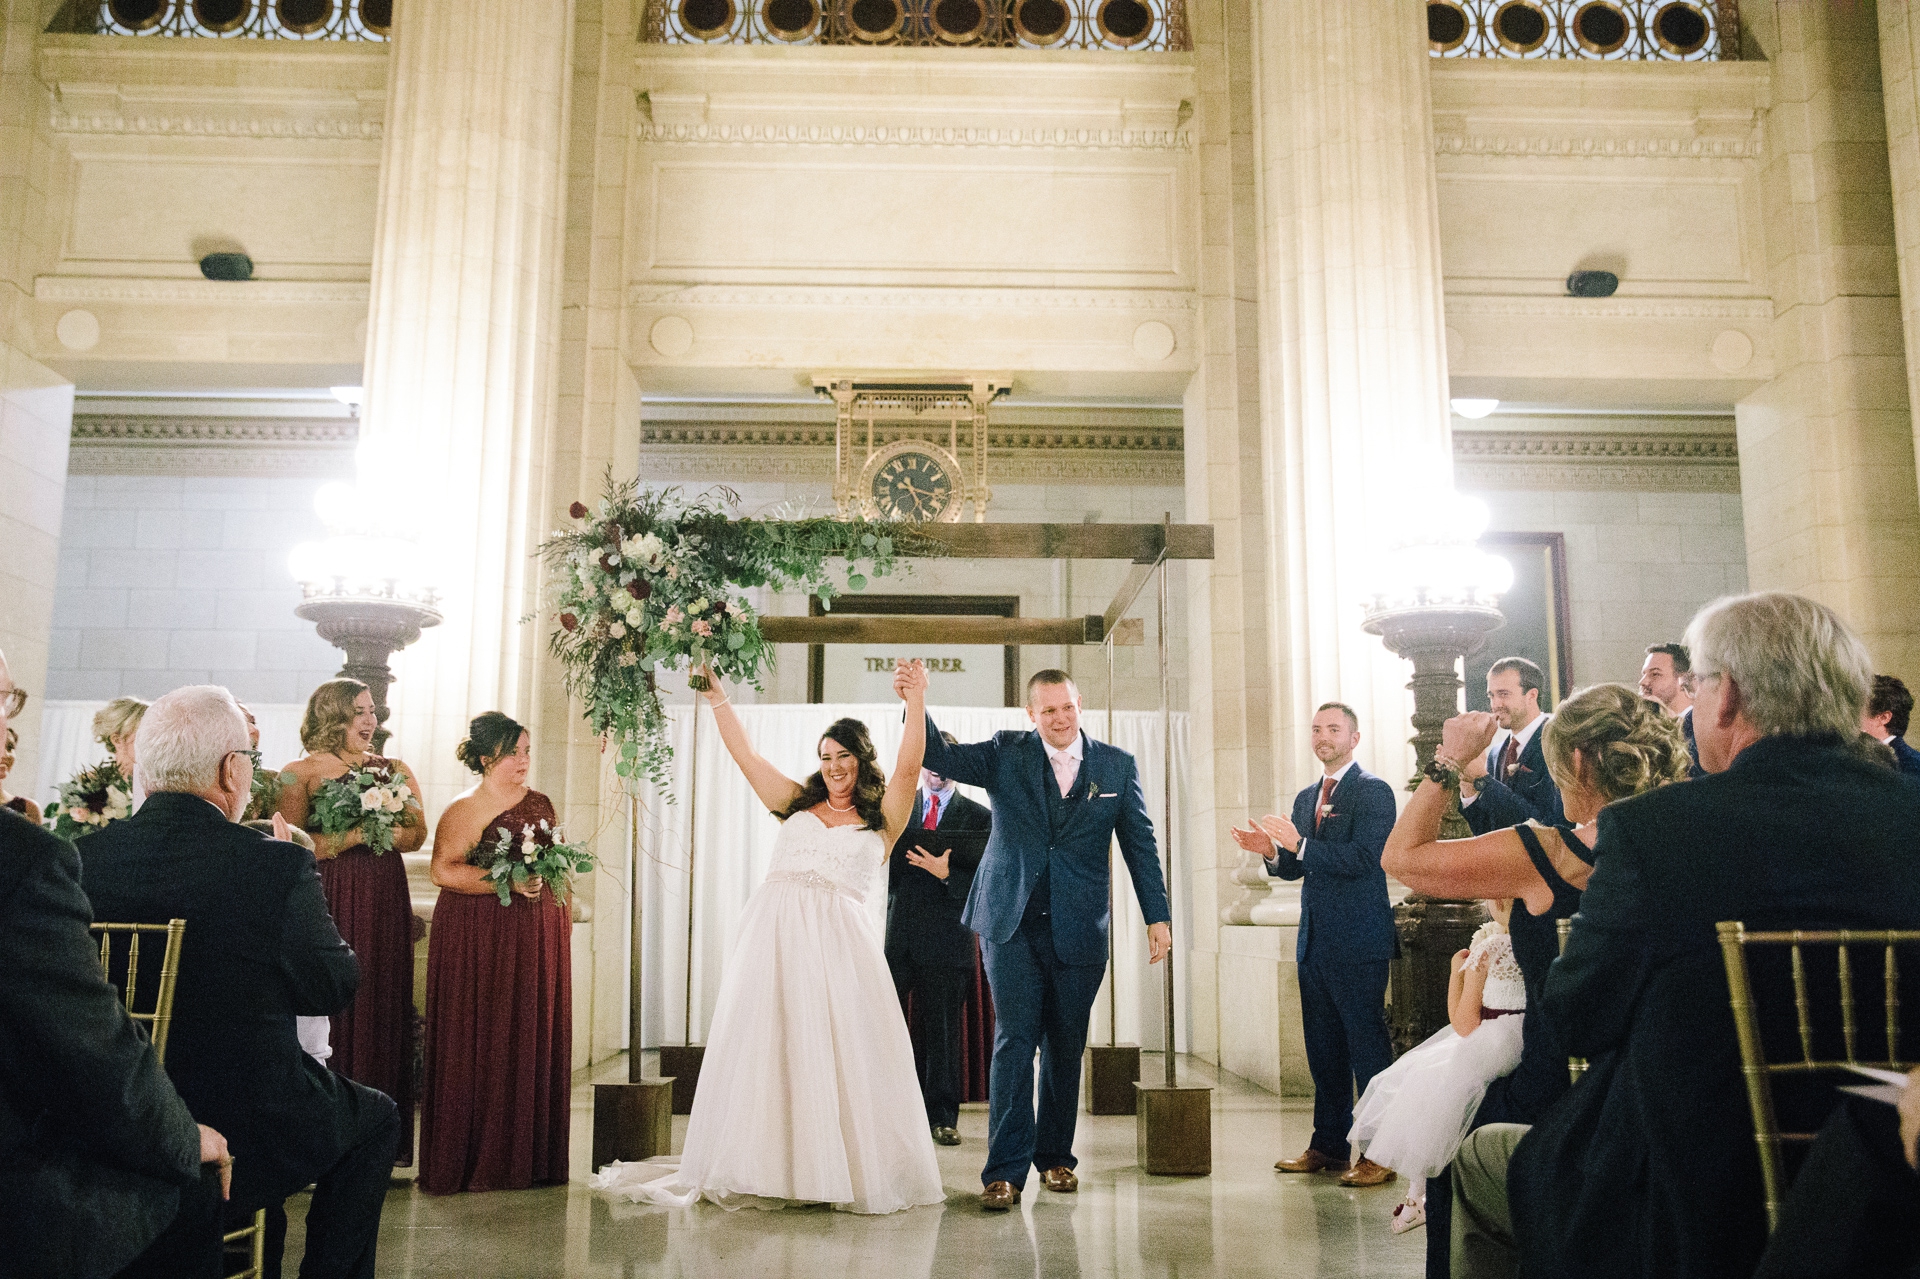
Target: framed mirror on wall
x=958 y=674
x=1539 y=617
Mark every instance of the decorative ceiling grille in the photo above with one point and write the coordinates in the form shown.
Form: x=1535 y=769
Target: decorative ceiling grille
x=229 y=19
x=1602 y=30
x=1153 y=25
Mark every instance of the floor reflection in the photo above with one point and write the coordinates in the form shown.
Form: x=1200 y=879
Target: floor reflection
x=1244 y=1220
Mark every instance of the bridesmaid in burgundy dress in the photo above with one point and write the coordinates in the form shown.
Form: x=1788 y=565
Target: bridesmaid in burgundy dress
x=499 y=990
x=372 y=1037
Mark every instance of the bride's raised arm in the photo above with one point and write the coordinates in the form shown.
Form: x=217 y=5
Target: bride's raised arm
x=897 y=805
x=775 y=789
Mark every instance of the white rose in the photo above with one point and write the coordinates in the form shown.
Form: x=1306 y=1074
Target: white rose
x=648 y=548
x=371 y=800
x=618 y=630
x=395 y=804
x=635 y=617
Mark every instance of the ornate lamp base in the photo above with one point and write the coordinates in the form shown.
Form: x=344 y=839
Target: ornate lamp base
x=368 y=631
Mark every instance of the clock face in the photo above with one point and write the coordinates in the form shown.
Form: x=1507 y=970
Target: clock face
x=912 y=485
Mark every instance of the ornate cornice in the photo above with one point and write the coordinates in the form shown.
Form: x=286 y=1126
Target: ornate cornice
x=1718 y=447
x=997 y=138
x=1469 y=304
x=1631 y=461
x=212 y=446
x=1002 y=439
x=84 y=288
x=760 y=295
x=1599 y=148
x=158 y=430
x=326 y=128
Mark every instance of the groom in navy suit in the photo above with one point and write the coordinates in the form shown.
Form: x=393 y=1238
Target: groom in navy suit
x=1039 y=903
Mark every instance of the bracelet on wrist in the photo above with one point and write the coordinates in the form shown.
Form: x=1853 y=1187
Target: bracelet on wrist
x=717 y=705
x=1443 y=772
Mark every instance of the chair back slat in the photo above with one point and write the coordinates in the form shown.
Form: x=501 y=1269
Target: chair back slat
x=1576 y=1066
x=1757 y=1072
x=159 y=1018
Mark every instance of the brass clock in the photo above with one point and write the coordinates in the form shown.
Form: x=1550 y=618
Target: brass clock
x=914 y=482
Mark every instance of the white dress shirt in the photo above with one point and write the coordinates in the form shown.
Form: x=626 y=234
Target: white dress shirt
x=1338 y=776
x=1524 y=736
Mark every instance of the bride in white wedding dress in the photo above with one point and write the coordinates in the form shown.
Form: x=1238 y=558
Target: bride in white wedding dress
x=807 y=1091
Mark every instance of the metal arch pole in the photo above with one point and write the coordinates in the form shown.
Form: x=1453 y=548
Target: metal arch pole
x=1113 y=966
x=693 y=840
x=636 y=992
x=1166 y=803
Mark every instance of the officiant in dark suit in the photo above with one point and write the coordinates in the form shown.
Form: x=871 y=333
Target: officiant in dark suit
x=1511 y=786
x=1040 y=902
x=261 y=949
x=1334 y=842
x=931 y=953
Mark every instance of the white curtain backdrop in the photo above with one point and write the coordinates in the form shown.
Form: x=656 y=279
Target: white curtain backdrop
x=67 y=745
x=718 y=823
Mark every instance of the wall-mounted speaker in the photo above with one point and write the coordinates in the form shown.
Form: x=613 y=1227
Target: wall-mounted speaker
x=227 y=266
x=1592 y=284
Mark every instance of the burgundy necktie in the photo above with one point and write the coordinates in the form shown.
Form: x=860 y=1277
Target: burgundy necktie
x=1509 y=757
x=933 y=813
x=1326 y=795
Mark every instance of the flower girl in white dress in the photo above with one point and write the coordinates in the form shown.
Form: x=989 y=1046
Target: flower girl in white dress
x=1416 y=1112
x=807 y=1092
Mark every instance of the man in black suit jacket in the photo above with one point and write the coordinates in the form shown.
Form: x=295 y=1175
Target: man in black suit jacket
x=1511 y=786
x=1885 y=720
x=931 y=953
x=1648 y=1165
x=102 y=1167
x=1334 y=841
x=262 y=950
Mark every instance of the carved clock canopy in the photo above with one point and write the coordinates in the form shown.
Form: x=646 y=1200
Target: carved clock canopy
x=911 y=451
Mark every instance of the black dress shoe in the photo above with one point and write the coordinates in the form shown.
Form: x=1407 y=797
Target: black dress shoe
x=944 y=1136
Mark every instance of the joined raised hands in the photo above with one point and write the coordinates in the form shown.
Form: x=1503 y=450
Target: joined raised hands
x=909 y=678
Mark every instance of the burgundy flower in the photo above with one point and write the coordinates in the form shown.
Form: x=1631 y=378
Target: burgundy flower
x=638 y=588
x=578 y=510
x=568 y=621
x=609 y=561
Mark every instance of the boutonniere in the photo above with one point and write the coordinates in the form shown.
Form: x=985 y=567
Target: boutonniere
x=1093 y=791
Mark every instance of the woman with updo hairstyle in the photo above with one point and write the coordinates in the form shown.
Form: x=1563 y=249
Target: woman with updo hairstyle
x=499 y=1059
x=1603 y=744
x=114 y=727
x=367 y=892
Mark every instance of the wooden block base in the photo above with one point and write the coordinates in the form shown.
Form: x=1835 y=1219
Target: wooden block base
x=632 y=1121
x=1111 y=1072
x=1175 y=1130
x=682 y=1062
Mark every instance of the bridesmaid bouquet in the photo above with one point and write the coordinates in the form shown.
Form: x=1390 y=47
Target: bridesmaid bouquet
x=266 y=790
x=89 y=800
x=375 y=798
x=541 y=852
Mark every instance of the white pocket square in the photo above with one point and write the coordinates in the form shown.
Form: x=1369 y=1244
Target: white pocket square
x=1109 y=794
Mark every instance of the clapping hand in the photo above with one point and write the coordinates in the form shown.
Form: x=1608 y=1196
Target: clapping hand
x=1464 y=739
x=1281 y=831
x=1253 y=840
x=938 y=867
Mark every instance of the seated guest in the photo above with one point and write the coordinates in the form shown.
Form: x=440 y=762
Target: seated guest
x=102 y=1167
x=1649 y=1166
x=1852 y=1207
x=1511 y=784
x=1889 y=707
x=1606 y=743
x=18 y=803
x=933 y=956
x=262 y=952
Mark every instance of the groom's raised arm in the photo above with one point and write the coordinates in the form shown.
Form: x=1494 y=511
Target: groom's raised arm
x=969 y=762
x=1141 y=850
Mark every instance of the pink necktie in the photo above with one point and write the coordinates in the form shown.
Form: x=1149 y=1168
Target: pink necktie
x=1063 y=771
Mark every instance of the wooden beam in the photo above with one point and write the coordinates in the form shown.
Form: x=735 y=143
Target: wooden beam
x=1137 y=578
x=1138 y=542
x=848 y=628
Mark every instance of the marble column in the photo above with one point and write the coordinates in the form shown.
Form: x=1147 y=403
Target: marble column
x=36 y=403
x=1827 y=448
x=462 y=341
x=1352 y=338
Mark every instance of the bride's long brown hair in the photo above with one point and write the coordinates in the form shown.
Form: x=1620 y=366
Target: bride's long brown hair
x=869 y=784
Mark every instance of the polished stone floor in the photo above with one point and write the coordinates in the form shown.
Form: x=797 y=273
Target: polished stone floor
x=1244 y=1220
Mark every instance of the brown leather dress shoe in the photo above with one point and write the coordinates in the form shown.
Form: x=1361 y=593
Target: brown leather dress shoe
x=1310 y=1160
x=1060 y=1180
x=1367 y=1173
x=999 y=1196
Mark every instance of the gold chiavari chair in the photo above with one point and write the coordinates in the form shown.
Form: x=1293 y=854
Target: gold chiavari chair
x=123 y=969
x=1760 y=1073
x=1576 y=1066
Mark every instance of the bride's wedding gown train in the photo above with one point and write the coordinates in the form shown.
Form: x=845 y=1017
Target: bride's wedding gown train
x=807 y=1092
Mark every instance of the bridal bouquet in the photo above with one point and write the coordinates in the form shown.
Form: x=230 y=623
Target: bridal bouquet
x=89 y=800
x=376 y=798
x=536 y=852
x=266 y=790
x=647 y=580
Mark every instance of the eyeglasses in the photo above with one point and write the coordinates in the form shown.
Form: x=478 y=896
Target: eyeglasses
x=13 y=701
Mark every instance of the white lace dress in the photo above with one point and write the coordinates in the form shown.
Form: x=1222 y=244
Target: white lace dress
x=1416 y=1112
x=807 y=1092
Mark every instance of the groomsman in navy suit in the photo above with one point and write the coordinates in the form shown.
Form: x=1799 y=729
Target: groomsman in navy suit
x=1885 y=720
x=929 y=950
x=1334 y=840
x=1039 y=903
x=1511 y=785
